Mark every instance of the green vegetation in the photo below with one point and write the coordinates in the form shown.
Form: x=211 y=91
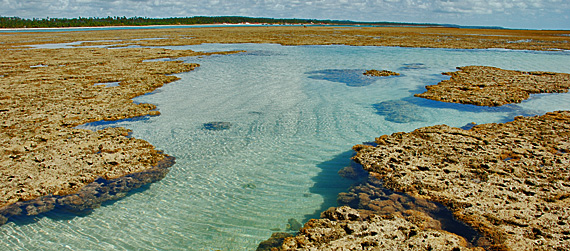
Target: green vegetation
x=16 y=22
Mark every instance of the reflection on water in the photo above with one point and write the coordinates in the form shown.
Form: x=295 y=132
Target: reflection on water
x=290 y=133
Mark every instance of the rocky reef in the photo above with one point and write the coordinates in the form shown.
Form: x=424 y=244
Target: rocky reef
x=491 y=86
x=344 y=228
x=90 y=196
x=509 y=181
x=45 y=93
x=382 y=73
x=399 y=111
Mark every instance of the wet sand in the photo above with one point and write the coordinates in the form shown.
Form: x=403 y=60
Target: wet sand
x=46 y=92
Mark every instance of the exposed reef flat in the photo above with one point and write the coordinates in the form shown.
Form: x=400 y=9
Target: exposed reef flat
x=344 y=228
x=491 y=86
x=90 y=196
x=329 y=35
x=510 y=181
x=41 y=153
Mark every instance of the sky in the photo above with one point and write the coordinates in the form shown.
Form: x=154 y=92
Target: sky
x=525 y=14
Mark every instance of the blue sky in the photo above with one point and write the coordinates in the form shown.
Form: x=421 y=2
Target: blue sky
x=530 y=14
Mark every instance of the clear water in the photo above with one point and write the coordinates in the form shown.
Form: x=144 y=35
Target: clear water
x=294 y=114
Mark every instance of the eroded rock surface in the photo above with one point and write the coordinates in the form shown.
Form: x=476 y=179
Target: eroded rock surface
x=382 y=73
x=343 y=228
x=510 y=181
x=44 y=93
x=491 y=86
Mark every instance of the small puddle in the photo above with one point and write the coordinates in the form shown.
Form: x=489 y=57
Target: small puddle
x=108 y=84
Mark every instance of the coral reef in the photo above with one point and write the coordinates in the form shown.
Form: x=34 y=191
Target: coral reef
x=491 y=86
x=510 y=181
x=343 y=228
x=40 y=151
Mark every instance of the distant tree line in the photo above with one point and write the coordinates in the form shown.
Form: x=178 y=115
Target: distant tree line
x=16 y=22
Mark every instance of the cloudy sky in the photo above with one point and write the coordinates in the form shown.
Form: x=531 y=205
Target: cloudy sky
x=534 y=14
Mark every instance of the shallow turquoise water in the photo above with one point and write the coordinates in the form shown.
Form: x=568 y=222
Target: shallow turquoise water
x=295 y=112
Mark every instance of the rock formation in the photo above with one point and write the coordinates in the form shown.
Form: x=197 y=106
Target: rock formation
x=382 y=73
x=510 y=181
x=343 y=228
x=490 y=86
x=40 y=151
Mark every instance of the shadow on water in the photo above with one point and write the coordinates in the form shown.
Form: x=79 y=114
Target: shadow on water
x=328 y=183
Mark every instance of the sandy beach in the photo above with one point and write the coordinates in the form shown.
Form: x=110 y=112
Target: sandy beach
x=45 y=93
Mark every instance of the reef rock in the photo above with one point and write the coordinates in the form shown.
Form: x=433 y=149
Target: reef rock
x=382 y=73
x=491 y=86
x=510 y=181
x=343 y=228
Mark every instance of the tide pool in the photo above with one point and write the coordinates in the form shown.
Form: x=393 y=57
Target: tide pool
x=260 y=136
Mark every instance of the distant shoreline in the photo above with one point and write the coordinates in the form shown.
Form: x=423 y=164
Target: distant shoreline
x=118 y=27
x=182 y=26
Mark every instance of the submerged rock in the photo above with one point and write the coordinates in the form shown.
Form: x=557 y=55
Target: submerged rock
x=217 y=126
x=399 y=111
x=274 y=242
x=293 y=225
x=414 y=66
x=353 y=172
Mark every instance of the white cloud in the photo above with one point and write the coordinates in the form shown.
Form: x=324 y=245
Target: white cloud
x=511 y=13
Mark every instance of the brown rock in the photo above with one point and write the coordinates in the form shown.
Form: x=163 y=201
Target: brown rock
x=509 y=181
x=382 y=73
x=491 y=86
x=342 y=229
